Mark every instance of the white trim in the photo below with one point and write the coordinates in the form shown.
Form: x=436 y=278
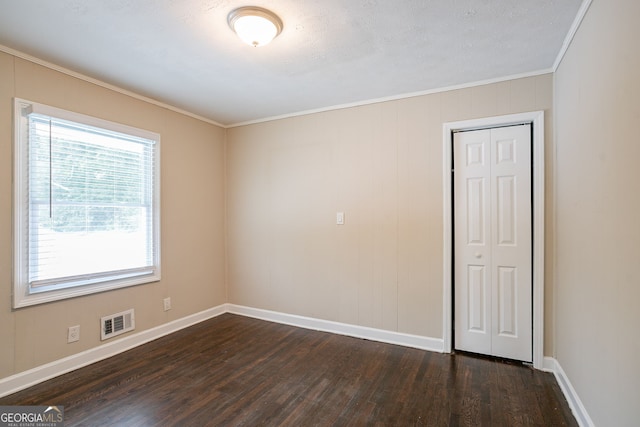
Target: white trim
x=537 y=120
x=395 y=97
x=389 y=337
x=23 y=294
x=105 y=85
x=114 y=88
x=58 y=367
x=584 y=7
x=577 y=408
x=84 y=119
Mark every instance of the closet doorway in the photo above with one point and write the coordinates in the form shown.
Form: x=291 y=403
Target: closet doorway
x=492 y=228
x=494 y=236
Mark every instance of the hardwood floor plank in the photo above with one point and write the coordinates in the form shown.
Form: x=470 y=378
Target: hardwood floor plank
x=238 y=371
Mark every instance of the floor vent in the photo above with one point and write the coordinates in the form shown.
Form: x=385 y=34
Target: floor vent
x=117 y=324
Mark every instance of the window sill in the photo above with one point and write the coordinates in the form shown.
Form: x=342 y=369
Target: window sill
x=28 y=298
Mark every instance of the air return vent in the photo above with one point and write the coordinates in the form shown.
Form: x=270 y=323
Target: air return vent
x=116 y=324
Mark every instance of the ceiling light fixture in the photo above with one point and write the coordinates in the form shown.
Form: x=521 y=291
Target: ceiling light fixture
x=254 y=25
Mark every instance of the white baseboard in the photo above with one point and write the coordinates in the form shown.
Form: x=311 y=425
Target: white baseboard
x=42 y=373
x=53 y=369
x=58 y=367
x=578 y=409
x=389 y=337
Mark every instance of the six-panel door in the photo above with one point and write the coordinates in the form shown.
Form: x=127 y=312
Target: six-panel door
x=492 y=242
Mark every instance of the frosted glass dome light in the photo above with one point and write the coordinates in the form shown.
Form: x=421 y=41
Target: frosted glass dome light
x=254 y=25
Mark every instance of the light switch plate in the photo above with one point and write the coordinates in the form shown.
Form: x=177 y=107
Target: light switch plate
x=340 y=218
x=73 y=334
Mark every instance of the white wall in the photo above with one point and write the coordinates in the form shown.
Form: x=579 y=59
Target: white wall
x=597 y=107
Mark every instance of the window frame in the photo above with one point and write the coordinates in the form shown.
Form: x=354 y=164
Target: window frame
x=23 y=294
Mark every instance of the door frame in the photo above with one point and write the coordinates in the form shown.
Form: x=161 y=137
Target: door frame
x=536 y=118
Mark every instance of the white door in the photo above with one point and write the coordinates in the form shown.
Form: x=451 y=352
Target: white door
x=492 y=241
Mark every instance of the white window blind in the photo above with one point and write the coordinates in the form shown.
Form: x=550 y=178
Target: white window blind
x=90 y=210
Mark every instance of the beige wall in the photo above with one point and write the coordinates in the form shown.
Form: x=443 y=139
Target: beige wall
x=382 y=165
x=597 y=93
x=192 y=220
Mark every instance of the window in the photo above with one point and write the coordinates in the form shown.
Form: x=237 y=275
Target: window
x=87 y=205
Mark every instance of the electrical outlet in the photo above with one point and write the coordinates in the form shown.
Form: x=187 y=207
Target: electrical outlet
x=73 y=334
x=167 y=304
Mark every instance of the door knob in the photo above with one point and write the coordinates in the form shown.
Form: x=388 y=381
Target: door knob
x=478 y=255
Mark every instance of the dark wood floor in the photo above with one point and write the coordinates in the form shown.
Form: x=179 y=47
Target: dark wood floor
x=237 y=371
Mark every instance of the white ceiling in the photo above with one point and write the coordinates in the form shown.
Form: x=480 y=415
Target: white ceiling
x=330 y=52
